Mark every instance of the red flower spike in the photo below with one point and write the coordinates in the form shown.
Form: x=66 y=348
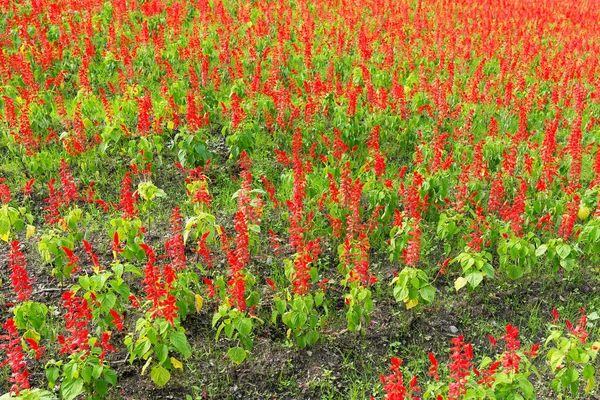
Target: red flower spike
x=117 y=320
x=73 y=259
x=67 y=182
x=76 y=319
x=4 y=192
x=533 y=352
x=433 y=370
x=105 y=346
x=555 y=315
x=33 y=345
x=116 y=247
x=15 y=357
x=510 y=358
x=19 y=276
x=174 y=244
x=211 y=288
x=87 y=247
x=128 y=202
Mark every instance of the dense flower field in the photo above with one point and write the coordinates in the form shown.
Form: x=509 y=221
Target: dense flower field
x=281 y=171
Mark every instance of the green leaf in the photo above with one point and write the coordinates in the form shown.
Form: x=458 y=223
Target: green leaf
x=179 y=341
x=488 y=270
x=142 y=346
x=556 y=358
x=400 y=293
x=427 y=293
x=237 y=354
x=86 y=374
x=101 y=387
x=162 y=352
x=569 y=377
x=243 y=325
x=541 y=250
x=319 y=299
x=312 y=337
x=568 y=264
x=253 y=299
x=71 y=388
x=588 y=371
x=97 y=371
x=474 y=279
x=110 y=376
x=563 y=251
x=216 y=317
x=525 y=386
x=52 y=375
x=574 y=388
x=514 y=272
x=160 y=375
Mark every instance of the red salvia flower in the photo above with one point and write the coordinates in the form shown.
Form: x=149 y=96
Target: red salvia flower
x=28 y=186
x=569 y=217
x=237 y=261
x=76 y=319
x=282 y=157
x=555 y=315
x=274 y=240
x=374 y=151
x=579 y=331
x=174 y=245
x=169 y=309
x=237 y=113
x=144 y=110
x=198 y=182
x=433 y=369
x=393 y=384
x=117 y=320
x=54 y=203
x=33 y=345
x=533 y=352
x=135 y=303
x=461 y=355
x=153 y=286
x=210 y=287
x=270 y=188
x=15 y=357
x=73 y=259
x=116 y=247
x=444 y=265
x=412 y=251
x=19 y=277
x=510 y=358
x=87 y=247
x=105 y=346
x=203 y=250
x=4 y=192
x=496 y=200
x=127 y=203
x=68 y=184
x=487 y=376
x=336 y=226
x=9 y=111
